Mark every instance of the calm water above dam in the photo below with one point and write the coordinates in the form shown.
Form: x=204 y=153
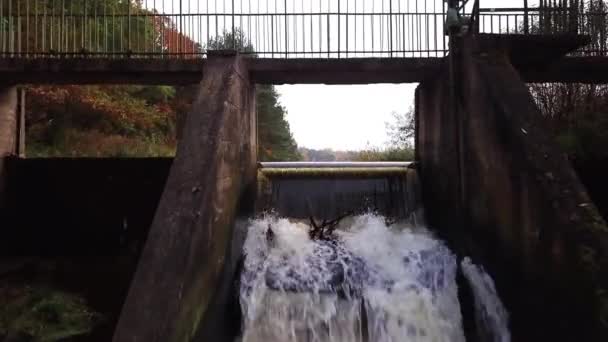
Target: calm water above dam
x=373 y=281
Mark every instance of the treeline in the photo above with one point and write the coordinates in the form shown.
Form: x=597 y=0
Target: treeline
x=130 y=121
x=368 y=154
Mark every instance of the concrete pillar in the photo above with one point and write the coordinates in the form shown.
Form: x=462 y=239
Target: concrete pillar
x=528 y=217
x=8 y=134
x=8 y=120
x=181 y=268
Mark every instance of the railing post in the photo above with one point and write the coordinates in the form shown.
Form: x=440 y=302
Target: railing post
x=526 y=23
x=19 y=52
x=339 y=27
x=390 y=23
x=233 y=28
x=10 y=29
x=286 y=31
x=129 y=27
x=180 y=33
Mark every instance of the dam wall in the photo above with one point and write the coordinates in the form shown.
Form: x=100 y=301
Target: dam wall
x=498 y=188
x=327 y=193
x=182 y=265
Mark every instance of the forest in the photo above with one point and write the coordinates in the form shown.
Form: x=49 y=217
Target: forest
x=129 y=121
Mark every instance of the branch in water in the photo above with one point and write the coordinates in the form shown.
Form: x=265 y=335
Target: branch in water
x=324 y=230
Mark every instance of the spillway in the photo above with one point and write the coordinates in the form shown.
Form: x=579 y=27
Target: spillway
x=381 y=276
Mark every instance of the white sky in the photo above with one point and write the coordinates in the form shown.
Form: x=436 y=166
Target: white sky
x=351 y=117
x=343 y=117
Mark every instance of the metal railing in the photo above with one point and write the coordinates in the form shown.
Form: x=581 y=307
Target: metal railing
x=268 y=28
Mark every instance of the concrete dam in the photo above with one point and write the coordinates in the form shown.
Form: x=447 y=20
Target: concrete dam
x=488 y=235
x=490 y=191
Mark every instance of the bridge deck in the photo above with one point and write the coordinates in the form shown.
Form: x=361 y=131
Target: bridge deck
x=274 y=71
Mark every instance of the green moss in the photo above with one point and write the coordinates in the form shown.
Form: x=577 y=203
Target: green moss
x=45 y=315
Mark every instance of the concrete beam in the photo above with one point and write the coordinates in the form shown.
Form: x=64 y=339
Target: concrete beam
x=180 y=271
x=189 y=71
x=101 y=71
x=548 y=66
x=344 y=71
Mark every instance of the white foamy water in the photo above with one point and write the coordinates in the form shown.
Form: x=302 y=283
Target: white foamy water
x=491 y=317
x=374 y=283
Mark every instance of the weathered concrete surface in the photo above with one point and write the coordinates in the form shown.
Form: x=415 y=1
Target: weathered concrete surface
x=182 y=262
x=523 y=213
x=8 y=135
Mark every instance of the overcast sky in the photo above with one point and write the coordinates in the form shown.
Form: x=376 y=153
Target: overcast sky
x=350 y=117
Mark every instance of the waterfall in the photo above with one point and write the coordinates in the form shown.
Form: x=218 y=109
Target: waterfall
x=374 y=282
x=490 y=314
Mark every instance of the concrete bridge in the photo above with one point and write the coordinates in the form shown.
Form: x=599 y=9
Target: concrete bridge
x=493 y=182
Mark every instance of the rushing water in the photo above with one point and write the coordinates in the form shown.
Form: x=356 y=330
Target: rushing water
x=374 y=282
x=491 y=316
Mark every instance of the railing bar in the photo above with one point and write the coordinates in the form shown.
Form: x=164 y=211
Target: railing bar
x=3 y=30
x=328 y=36
x=52 y=24
x=435 y=23
x=382 y=25
x=427 y=39
x=295 y=28
x=443 y=34
x=95 y=25
x=390 y=24
x=418 y=33
x=373 y=38
x=27 y=27
x=241 y=33
x=19 y=29
x=64 y=35
x=363 y=33
x=339 y=29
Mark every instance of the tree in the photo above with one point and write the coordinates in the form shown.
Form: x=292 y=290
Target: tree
x=138 y=120
x=401 y=129
x=578 y=113
x=276 y=142
x=100 y=121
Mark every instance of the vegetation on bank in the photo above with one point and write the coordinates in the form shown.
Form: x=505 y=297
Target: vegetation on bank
x=400 y=147
x=40 y=314
x=577 y=116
